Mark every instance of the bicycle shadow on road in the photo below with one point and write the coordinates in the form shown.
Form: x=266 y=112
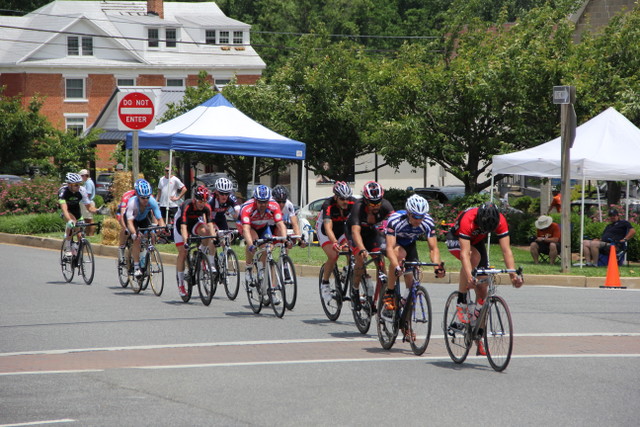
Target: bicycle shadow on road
x=468 y=364
x=62 y=282
x=391 y=352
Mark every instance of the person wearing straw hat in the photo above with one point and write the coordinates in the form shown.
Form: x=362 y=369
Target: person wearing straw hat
x=547 y=240
x=90 y=186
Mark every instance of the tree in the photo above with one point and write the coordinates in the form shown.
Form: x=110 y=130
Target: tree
x=68 y=151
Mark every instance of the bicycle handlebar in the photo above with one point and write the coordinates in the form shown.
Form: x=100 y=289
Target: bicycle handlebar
x=82 y=224
x=485 y=271
x=153 y=228
x=423 y=264
x=271 y=239
x=198 y=238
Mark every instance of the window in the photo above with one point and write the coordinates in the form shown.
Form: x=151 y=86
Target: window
x=153 y=37
x=87 y=46
x=75 y=125
x=210 y=36
x=224 y=37
x=74 y=88
x=175 y=82
x=73 y=48
x=171 y=37
x=237 y=37
x=126 y=82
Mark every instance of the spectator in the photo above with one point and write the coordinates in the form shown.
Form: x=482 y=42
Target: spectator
x=170 y=192
x=547 y=240
x=617 y=232
x=90 y=187
x=556 y=201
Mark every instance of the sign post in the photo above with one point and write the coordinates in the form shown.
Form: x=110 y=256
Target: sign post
x=136 y=111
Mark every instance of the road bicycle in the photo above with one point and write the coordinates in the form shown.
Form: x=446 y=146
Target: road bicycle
x=150 y=264
x=493 y=324
x=81 y=254
x=412 y=315
x=266 y=286
x=288 y=272
x=342 y=289
x=229 y=268
x=198 y=270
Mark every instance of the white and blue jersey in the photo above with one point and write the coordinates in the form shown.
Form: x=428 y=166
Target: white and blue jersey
x=398 y=225
x=133 y=209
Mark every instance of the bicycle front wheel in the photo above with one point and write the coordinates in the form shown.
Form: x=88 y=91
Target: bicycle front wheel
x=419 y=321
x=230 y=271
x=387 y=321
x=498 y=333
x=66 y=264
x=456 y=334
x=124 y=267
x=277 y=294
x=204 y=278
x=86 y=262
x=254 y=296
x=361 y=309
x=333 y=302
x=156 y=272
x=288 y=273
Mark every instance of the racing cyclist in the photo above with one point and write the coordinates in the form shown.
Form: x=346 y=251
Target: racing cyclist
x=289 y=216
x=124 y=233
x=221 y=201
x=70 y=195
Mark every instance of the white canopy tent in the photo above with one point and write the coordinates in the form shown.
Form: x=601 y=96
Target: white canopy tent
x=607 y=147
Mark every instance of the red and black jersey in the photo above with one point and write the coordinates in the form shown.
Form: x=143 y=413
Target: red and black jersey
x=331 y=210
x=189 y=214
x=370 y=223
x=465 y=227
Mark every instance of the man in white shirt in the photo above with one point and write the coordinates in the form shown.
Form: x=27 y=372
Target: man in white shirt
x=170 y=193
x=91 y=192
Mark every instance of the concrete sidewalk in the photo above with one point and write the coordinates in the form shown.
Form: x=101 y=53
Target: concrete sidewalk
x=311 y=271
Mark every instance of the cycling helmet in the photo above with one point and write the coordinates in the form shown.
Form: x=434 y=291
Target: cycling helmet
x=224 y=185
x=342 y=189
x=488 y=217
x=73 y=178
x=262 y=193
x=143 y=188
x=417 y=206
x=372 y=192
x=201 y=193
x=280 y=193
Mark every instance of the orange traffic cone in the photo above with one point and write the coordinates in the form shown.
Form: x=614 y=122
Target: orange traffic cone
x=613 y=274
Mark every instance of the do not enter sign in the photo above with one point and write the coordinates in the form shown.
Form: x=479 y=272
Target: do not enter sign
x=135 y=111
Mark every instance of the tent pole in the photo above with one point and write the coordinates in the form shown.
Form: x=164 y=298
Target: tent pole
x=626 y=210
x=253 y=179
x=582 y=224
x=489 y=235
x=168 y=195
x=599 y=204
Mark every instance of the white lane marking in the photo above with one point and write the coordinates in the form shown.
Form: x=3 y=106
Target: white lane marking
x=295 y=341
x=38 y=423
x=72 y=371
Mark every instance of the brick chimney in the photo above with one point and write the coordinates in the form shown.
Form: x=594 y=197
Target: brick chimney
x=155 y=7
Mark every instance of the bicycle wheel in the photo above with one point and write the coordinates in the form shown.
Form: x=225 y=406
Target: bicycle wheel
x=277 y=293
x=456 y=335
x=387 y=322
x=189 y=275
x=86 y=262
x=124 y=267
x=156 y=272
x=230 y=273
x=332 y=307
x=290 y=280
x=204 y=278
x=498 y=333
x=362 y=316
x=146 y=272
x=253 y=293
x=66 y=264
x=419 y=321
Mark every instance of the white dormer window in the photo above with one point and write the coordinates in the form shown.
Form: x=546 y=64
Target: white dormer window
x=237 y=37
x=171 y=37
x=175 y=82
x=223 y=37
x=210 y=36
x=74 y=48
x=153 y=37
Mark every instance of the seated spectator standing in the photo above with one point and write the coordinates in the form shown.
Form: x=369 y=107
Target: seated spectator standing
x=618 y=232
x=556 y=201
x=547 y=240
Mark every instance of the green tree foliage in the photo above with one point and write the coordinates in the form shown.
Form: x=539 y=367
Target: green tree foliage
x=68 y=151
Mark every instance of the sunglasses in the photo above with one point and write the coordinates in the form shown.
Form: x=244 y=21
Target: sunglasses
x=343 y=198
x=144 y=197
x=416 y=216
x=378 y=203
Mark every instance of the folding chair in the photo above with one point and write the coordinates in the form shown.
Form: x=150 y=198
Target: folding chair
x=605 y=251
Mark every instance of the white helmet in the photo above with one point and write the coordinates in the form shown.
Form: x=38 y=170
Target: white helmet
x=224 y=185
x=417 y=206
x=73 y=178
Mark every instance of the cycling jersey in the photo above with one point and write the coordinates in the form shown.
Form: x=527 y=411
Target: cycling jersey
x=133 y=209
x=465 y=227
x=331 y=210
x=368 y=221
x=188 y=214
x=73 y=199
x=398 y=225
x=288 y=211
x=249 y=214
x=219 y=210
x=123 y=201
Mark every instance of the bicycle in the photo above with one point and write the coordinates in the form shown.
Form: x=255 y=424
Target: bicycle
x=229 y=268
x=81 y=254
x=262 y=286
x=288 y=272
x=150 y=264
x=493 y=325
x=413 y=316
x=198 y=271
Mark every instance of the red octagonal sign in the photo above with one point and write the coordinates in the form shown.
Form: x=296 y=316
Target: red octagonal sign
x=136 y=111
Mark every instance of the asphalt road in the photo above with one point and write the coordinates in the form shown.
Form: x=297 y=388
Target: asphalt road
x=73 y=354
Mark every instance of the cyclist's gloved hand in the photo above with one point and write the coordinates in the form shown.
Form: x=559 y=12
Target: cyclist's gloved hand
x=440 y=271
x=399 y=271
x=252 y=248
x=302 y=243
x=134 y=236
x=517 y=280
x=336 y=247
x=71 y=224
x=289 y=244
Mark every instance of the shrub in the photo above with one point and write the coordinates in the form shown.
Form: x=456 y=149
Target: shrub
x=32 y=223
x=397 y=197
x=523 y=203
x=98 y=200
x=36 y=196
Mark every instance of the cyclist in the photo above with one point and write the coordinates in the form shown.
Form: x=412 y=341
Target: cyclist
x=221 y=201
x=403 y=229
x=466 y=241
x=289 y=216
x=364 y=229
x=124 y=232
x=257 y=216
x=193 y=218
x=137 y=214
x=70 y=195
x=331 y=228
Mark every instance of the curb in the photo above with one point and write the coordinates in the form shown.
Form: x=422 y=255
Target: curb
x=311 y=271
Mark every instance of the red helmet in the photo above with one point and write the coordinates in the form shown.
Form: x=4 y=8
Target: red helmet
x=201 y=193
x=372 y=192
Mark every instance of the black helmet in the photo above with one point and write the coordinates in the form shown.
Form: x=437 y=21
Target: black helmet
x=488 y=217
x=280 y=193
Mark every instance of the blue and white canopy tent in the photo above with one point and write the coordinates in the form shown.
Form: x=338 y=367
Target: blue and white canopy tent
x=217 y=127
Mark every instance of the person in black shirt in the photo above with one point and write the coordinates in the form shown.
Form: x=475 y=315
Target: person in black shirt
x=617 y=232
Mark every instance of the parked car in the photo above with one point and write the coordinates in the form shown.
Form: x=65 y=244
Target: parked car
x=104 y=183
x=209 y=179
x=11 y=179
x=443 y=194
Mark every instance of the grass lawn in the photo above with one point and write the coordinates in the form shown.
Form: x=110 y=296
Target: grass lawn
x=314 y=255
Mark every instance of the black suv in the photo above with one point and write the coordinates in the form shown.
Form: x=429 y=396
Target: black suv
x=104 y=182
